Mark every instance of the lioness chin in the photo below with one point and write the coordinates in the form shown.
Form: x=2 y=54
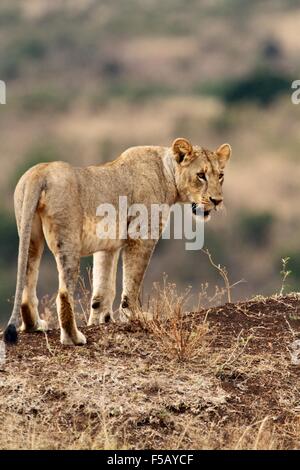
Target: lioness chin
x=57 y=202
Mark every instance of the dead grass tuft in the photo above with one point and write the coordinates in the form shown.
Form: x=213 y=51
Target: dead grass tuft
x=177 y=334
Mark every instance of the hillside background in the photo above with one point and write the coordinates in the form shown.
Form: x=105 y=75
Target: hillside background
x=87 y=79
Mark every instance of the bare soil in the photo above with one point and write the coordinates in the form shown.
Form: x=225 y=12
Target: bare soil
x=125 y=390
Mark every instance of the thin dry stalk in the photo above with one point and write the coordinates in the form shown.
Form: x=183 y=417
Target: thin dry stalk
x=48 y=344
x=84 y=297
x=224 y=274
x=207 y=300
x=263 y=440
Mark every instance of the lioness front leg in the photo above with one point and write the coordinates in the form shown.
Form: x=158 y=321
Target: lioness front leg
x=105 y=265
x=136 y=257
x=68 y=269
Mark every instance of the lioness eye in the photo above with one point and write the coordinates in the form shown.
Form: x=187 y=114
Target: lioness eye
x=201 y=176
x=221 y=176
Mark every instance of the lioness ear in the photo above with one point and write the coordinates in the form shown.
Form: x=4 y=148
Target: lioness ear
x=181 y=148
x=223 y=154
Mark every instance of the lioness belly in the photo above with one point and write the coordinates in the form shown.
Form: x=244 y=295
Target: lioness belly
x=91 y=242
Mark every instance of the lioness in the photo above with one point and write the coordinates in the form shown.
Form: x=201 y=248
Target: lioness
x=58 y=202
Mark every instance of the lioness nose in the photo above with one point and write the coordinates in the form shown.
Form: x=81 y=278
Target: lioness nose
x=216 y=200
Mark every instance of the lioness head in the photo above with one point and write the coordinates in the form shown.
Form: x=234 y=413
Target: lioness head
x=200 y=174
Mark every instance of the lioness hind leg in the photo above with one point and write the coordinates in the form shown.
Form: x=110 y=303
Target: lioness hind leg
x=68 y=269
x=104 y=286
x=31 y=320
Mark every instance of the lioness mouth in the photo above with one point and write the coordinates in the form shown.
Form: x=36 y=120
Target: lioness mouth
x=194 y=210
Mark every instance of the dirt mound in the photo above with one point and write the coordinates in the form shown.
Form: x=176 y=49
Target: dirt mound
x=235 y=388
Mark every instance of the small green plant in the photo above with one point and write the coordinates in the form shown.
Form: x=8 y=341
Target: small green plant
x=285 y=272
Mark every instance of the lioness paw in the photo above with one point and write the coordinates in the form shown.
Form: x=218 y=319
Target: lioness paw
x=146 y=316
x=41 y=325
x=120 y=317
x=78 y=340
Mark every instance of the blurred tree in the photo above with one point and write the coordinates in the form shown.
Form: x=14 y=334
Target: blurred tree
x=255 y=228
x=271 y=49
x=112 y=69
x=31 y=47
x=262 y=86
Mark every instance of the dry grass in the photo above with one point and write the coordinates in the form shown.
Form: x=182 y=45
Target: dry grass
x=220 y=378
x=176 y=334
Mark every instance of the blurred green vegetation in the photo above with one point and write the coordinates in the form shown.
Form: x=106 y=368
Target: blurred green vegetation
x=10 y=16
x=137 y=93
x=46 y=100
x=8 y=256
x=30 y=47
x=19 y=52
x=9 y=68
x=8 y=237
x=223 y=122
x=255 y=227
x=41 y=152
x=262 y=86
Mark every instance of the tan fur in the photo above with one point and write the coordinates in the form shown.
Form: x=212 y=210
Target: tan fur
x=58 y=202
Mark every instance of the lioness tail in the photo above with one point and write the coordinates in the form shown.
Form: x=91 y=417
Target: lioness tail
x=33 y=187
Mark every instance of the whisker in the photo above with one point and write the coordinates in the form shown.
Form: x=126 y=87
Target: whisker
x=223 y=209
